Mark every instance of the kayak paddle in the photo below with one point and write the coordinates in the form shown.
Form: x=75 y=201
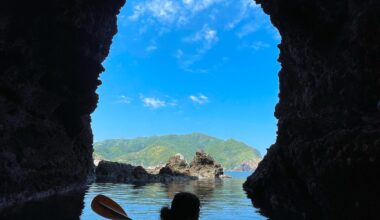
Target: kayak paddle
x=108 y=208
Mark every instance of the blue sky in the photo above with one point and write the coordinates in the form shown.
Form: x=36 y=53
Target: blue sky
x=177 y=67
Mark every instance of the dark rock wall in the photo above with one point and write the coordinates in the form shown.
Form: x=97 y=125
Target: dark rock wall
x=50 y=59
x=325 y=162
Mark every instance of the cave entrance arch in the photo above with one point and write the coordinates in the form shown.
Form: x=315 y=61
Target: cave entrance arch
x=148 y=32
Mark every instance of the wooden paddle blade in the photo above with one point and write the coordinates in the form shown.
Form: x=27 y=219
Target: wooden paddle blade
x=108 y=208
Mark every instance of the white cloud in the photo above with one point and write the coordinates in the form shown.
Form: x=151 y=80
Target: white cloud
x=244 y=8
x=243 y=17
x=203 y=4
x=199 y=99
x=257 y=45
x=179 y=54
x=198 y=70
x=164 y=11
x=124 y=99
x=173 y=103
x=205 y=35
x=206 y=38
x=152 y=102
x=138 y=11
x=187 y=2
x=151 y=48
x=248 y=28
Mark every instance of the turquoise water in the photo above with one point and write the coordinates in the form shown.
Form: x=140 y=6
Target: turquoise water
x=220 y=199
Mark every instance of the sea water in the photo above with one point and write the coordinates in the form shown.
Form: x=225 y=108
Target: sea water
x=220 y=199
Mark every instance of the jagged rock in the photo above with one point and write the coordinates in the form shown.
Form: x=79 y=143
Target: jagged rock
x=202 y=166
x=325 y=162
x=177 y=163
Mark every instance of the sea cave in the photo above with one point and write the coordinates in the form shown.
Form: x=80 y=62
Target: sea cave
x=323 y=165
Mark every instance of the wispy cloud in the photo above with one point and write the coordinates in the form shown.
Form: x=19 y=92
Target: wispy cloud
x=204 y=40
x=199 y=99
x=153 y=103
x=199 y=5
x=257 y=45
x=241 y=17
x=178 y=12
x=164 y=11
x=151 y=48
x=244 y=8
x=248 y=29
x=124 y=99
x=197 y=70
x=206 y=35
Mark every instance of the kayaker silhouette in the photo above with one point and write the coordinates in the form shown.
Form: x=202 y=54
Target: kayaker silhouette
x=185 y=206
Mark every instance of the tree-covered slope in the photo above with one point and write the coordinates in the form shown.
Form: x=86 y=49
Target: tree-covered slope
x=151 y=151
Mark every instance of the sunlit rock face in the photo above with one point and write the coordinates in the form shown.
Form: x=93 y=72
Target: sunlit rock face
x=50 y=59
x=325 y=162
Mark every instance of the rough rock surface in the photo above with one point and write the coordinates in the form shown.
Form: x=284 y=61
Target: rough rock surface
x=50 y=59
x=108 y=171
x=202 y=166
x=176 y=165
x=249 y=165
x=325 y=162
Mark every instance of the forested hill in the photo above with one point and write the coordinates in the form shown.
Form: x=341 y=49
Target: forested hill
x=155 y=150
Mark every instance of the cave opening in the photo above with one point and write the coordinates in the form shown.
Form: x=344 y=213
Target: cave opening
x=326 y=153
x=189 y=73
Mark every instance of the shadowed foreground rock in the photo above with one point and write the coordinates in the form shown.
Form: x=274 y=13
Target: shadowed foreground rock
x=50 y=59
x=325 y=162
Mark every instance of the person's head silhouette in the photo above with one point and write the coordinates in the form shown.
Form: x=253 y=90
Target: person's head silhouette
x=185 y=206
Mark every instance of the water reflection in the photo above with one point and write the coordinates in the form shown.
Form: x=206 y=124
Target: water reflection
x=67 y=206
x=203 y=188
x=220 y=199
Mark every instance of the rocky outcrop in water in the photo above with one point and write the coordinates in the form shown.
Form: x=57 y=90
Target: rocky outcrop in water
x=202 y=166
x=51 y=55
x=325 y=162
x=114 y=172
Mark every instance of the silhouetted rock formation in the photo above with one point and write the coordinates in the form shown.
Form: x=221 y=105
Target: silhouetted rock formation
x=50 y=58
x=108 y=171
x=325 y=162
x=202 y=166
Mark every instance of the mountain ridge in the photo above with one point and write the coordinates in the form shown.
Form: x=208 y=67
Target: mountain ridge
x=156 y=150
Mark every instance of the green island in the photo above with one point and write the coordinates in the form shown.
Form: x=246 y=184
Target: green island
x=155 y=150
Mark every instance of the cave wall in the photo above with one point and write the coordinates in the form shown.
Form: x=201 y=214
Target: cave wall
x=50 y=59
x=325 y=162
